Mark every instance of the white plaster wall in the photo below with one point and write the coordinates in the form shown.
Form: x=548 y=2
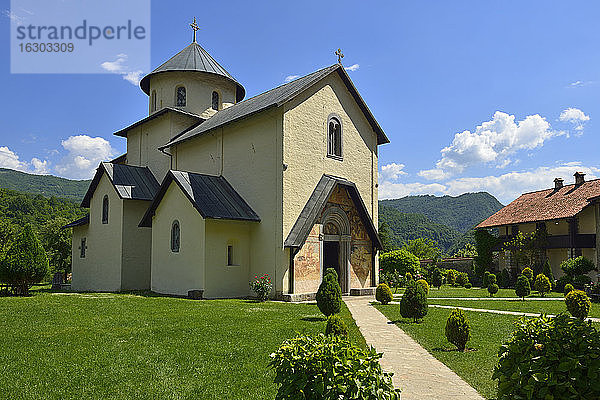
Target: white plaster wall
x=77 y=263
x=557 y=228
x=176 y=273
x=586 y=220
x=101 y=269
x=199 y=87
x=223 y=280
x=137 y=247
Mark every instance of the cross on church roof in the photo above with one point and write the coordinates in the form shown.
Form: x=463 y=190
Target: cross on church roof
x=195 y=28
x=340 y=55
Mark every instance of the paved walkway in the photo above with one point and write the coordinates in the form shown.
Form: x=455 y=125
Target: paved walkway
x=524 y=314
x=420 y=375
x=496 y=298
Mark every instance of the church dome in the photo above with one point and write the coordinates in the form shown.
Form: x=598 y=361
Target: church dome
x=194 y=59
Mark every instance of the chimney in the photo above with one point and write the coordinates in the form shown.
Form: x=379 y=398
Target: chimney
x=558 y=183
x=579 y=178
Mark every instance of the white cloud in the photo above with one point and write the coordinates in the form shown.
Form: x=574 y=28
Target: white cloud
x=119 y=66
x=353 y=67
x=40 y=167
x=84 y=155
x=435 y=174
x=574 y=116
x=492 y=143
x=10 y=159
x=290 y=78
x=394 y=190
x=392 y=171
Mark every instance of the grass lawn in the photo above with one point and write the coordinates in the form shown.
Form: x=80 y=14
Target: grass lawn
x=548 y=307
x=449 y=291
x=124 y=346
x=488 y=332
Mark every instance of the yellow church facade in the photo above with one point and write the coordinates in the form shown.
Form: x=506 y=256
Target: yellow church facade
x=214 y=189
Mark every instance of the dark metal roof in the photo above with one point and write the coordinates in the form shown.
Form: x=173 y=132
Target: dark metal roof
x=122 y=159
x=123 y=132
x=275 y=98
x=130 y=182
x=315 y=205
x=81 y=221
x=193 y=58
x=211 y=195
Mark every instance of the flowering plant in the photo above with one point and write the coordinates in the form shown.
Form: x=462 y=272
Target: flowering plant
x=261 y=285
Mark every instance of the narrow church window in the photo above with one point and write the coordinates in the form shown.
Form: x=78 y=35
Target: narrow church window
x=334 y=138
x=105 y=209
x=153 y=101
x=180 y=101
x=82 y=248
x=230 y=255
x=175 y=237
x=215 y=101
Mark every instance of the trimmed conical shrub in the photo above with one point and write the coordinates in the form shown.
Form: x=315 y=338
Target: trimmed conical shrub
x=414 y=302
x=522 y=288
x=493 y=289
x=578 y=304
x=542 y=284
x=458 y=331
x=336 y=326
x=547 y=270
x=436 y=278
x=528 y=272
x=383 y=293
x=329 y=295
x=25 y=263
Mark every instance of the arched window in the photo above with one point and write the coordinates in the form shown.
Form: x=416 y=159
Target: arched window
x=105 y=209
x=153 y=101
x=175 y=237
x=334 y=138
x=215 y=101
x=180 y=96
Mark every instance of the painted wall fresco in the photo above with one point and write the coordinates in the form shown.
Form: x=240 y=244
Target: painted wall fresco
x=307 y=264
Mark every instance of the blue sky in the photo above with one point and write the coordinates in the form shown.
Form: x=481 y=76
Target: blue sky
x=474 y=96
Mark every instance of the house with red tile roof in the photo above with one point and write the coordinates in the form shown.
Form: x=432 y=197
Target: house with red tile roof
x=569 y=214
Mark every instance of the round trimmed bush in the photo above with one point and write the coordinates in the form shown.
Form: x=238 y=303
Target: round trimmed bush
x=528 y=272
x=451 y=277
x=522 y=288
x=468 y=285
x=462 y=278
x=336 y=326
x=491 y=279
x=383 y=293
x=424 y=285
x=414 y=302
x=458 y=331
x=329 y=295
x=578 y=304
x=493 y=289
x=568 y=288
x=542 y=284
x=549 y=358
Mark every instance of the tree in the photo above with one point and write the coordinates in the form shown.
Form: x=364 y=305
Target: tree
x=484 y=244
x=527 y=248
x=547 y=270
x=542 y=284
x=469 y=250
x=528 y=272
x=329 y=295
x=399 y=260
x=522 y=288
x=423 y=248
x=451 y=275
x=414 y=302
x=385 y=235
x=57 y=242
x=25 y=263
x=577 y=266
x=504 y=279
x=436 y=277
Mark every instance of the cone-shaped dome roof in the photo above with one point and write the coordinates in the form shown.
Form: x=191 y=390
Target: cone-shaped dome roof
x=193 y=58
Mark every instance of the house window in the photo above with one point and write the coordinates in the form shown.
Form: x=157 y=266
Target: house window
x=215 y=101
x=230 y=259
x=105 y=209
x=82 y=248
x=180 y=96
x=175 y=237
x=334 y=138
x=153 y=101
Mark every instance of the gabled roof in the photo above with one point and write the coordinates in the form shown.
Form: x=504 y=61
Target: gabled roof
x=123 y=132
x=193 y=58
x=545 y=205
x=275 y=98
x=130 y=182
x=78 y=222
x=211 y=195
x=315 y=205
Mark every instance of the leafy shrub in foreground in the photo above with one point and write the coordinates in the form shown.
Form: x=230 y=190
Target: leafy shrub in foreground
x=528 y=272
x=383 y=293
x=336 y=326
x=578 y=304
x=414 y=302
x=550 y=358
x=424 y=285
x=329 y=295
x=542 y=284
x=329 y=368
x=493 y=289
x=522 y=288
x=458 y=331
x=568 y=288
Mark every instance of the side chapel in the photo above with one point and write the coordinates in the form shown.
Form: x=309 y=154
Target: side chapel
x=215 y=189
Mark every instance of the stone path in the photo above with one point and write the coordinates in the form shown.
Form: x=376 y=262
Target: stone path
x=420 y=375
x=524 y=314
x=497 y=298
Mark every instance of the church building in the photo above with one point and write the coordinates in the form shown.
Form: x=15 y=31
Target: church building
x=215 y=189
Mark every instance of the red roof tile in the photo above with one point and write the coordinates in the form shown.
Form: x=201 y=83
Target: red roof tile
x=544 y=205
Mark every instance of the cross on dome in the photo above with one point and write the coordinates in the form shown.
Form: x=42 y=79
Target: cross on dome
x=195 y=28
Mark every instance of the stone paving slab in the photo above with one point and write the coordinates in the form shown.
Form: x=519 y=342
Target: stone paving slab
x=522 y=314
x=494 y=298
x=417 y=373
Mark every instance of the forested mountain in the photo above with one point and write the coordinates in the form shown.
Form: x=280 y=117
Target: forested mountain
x=447 y=220
x=46 y=185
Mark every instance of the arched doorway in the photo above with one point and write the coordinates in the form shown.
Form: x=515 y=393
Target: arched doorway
x=336 y=244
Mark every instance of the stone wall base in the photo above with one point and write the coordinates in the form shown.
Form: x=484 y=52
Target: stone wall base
x=298 y=297
x=367 y=291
